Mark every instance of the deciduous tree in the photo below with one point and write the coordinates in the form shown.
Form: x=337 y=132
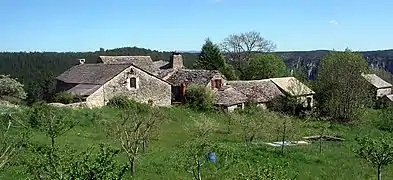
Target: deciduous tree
x=378 y=152
x=135 y=130
x=264 y=66
x=11 y=87
x=195 y=151
x=342 y=91
x=239 y=47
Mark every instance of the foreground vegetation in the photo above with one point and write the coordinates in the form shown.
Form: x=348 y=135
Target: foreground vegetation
x=184 y=135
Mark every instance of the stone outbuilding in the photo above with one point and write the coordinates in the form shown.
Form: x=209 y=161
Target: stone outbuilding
x=291 y=86
x=379 y=86
x=260 y=92
x=98 y=83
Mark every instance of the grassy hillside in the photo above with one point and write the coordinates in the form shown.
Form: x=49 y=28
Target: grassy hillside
x=165 y=152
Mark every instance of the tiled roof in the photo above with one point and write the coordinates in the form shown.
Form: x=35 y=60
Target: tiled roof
x=84 y=89
x=376 y=81
x=142 y=62
x=257 y=90
x=229 y=96
x=192 y=77
x=292 y=86
x=91 y=73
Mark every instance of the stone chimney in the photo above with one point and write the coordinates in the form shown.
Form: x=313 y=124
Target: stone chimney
x=82 y=61
x=176 y=61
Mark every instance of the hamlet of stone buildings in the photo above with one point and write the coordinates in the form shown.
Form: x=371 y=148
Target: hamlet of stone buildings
x=164 y=83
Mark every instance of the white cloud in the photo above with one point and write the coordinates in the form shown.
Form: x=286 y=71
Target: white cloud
x=333 y=22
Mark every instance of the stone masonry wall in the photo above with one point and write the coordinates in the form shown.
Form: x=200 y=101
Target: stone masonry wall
x=148 y=88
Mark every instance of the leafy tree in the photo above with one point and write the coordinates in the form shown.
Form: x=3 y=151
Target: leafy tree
x=134 y=131
x=251 y=120
x=11 y=87
x=239 y=47
x=378 y=152
x=199 y=98
x=13 y=136
x=342 y=91
x=51 y=121
x=263 y=66
x=70 y=164
x=211 y=58
x=195 y=151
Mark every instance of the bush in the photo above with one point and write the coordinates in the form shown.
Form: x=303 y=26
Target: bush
x=66 y=98
x=385 y=122
x=199 y=98
x=122 y=102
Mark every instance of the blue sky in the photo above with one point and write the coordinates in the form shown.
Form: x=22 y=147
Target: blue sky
x=87 y=25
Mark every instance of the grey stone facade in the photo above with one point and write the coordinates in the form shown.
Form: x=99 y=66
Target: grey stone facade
x=148 y=88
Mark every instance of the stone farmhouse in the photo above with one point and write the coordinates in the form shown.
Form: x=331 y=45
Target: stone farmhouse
x=236 y=94
x=98 y=83
x=163 y=83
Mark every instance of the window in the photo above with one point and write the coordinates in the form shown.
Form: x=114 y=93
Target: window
x=217 y=83
x=132 y=83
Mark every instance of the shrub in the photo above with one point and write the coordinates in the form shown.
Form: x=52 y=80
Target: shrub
x=199 y=98
x=66 y=98
x=385 y=122
x=122 y=102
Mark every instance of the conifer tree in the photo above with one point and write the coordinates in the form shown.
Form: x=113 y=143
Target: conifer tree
x=211 y=58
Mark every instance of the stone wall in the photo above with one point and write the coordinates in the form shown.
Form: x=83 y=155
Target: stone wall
x=148 y=88
x=383 y=92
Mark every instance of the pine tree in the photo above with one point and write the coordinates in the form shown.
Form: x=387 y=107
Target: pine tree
x=211 y=58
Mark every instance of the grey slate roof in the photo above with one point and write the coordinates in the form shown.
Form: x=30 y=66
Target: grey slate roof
x=257 y=90
x=161 y=64
x=192 y=77
x=84 y=89
x=229 y=96
x=292 y=86
x=142 y=62
x=91 y=73
x=376 y=81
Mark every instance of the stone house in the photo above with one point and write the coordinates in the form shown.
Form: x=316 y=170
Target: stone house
x=229 y=99
x=257 y=91
x=98 y=83
x=291 y=86
x=183 y=78
x=378 y=86
x=180 y=78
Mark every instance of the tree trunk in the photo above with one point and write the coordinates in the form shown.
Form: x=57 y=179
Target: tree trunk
x=132 y=166
x=320 y=143
x=199 y=170
x=283 y=139
x=379 y=172
x=53 y=142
